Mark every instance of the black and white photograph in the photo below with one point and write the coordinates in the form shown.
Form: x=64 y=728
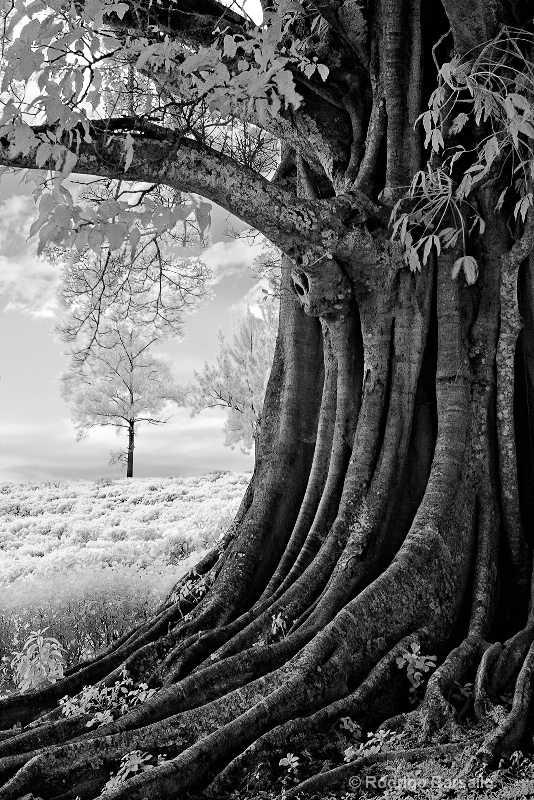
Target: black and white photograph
x=266 y=399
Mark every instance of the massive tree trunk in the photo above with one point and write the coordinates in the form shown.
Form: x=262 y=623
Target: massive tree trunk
x=391 y=501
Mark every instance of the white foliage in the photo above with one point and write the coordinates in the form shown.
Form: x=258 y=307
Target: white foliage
x=238 y=380
x=119 y=383
x=86 y=527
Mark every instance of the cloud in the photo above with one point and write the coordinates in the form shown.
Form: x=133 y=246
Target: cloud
x=17 y=214
x=29 y=284
x=228 y=258
x=252 y=299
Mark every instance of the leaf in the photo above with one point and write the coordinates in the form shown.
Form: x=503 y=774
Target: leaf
x=427 y=248
x=492 y=149
x=500 y=200
x=285 y=84
x=115 y=235
x=525 y=127
x=523 y=205
x=427 y=125
x=229 y=46
x=469 y=266
x=437 y=140
x=128 y=151
x=445 y=72
x=413 y=260
x=520 y=102
x=458 y=123
x=323 y=71
x=134 y=238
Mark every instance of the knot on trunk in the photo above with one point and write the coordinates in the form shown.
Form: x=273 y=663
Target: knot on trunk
x=322 y=288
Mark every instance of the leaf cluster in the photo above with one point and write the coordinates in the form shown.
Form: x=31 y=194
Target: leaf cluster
x=40 y=662
x=103 y=703
x=133 y=763
x=494 y=86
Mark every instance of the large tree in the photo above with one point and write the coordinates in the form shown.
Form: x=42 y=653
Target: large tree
x=391 y=502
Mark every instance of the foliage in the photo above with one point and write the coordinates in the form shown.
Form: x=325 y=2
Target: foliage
x=347 y=724
x=290 y=762
x=416 y=665
x=82 y=67
x=114 y=548
x=278 y=625
x=106 y=703
x=152 y=286
x=380 y=740
x=131 y=764
x=238 y=381
x=494 y=87
x=194 y=588
x=76 y=527
x=39 y=663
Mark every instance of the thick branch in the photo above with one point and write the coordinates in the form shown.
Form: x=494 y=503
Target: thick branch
x=194 y=20
x=347 y=21
x=296 y=226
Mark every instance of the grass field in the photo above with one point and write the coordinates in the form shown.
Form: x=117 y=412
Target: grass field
x=88 y=559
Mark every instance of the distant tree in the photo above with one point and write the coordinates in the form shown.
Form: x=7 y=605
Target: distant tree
x=120 y=383
x=238 y=381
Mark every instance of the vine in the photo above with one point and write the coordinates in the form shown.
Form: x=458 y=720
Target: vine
x=496 y=90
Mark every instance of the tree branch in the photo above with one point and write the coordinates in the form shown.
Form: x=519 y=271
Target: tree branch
x=194 y=21
x=160 y=157
x=348 y=25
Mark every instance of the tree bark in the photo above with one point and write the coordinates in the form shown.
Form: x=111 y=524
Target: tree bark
x=131 y=445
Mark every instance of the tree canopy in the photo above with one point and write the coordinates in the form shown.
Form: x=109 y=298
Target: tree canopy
x=238 y=380
x=118 y=383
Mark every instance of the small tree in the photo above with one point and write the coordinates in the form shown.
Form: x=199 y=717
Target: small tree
x=238 y=381
x=120 y=383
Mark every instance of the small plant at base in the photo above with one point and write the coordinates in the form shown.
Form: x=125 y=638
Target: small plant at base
x=378 y=741
x=104 y=703
x=194 y=588
x=292 y=763
x=416 y=664
x=347 y=724
x=40 y=662
x=278 y=625
x=131 y=764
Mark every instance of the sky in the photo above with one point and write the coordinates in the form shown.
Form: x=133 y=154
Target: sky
x=37 y=437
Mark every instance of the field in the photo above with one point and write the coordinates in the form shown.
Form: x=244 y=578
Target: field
x=87 y=559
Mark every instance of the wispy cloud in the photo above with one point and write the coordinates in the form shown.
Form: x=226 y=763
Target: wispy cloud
x=253 y=298
x=228 y=258
x=27 y=282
